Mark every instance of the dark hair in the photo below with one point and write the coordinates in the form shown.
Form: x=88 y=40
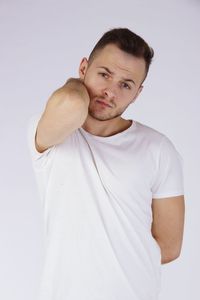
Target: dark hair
x=127 y=41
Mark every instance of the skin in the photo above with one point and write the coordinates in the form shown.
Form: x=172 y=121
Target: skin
x=111 y=88
x=167 y=213
x=168 y=226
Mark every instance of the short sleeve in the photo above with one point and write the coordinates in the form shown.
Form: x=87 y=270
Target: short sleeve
x=39 y=160
x=168 y=181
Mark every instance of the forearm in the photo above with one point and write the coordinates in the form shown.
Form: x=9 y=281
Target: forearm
x=65 y=111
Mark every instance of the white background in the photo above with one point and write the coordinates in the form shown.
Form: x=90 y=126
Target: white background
x=41 y=46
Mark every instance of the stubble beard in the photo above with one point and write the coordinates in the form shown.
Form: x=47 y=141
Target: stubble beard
x=104 y=114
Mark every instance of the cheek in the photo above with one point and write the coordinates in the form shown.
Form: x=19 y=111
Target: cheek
x=91 y=90
x=94 y=86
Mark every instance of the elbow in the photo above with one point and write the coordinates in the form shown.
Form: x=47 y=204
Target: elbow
x=169 y=256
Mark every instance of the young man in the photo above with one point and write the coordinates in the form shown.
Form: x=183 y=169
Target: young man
x=111 y=189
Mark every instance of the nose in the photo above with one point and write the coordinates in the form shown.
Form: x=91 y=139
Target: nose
x=109 y=92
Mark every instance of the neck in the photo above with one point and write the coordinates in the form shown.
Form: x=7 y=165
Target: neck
x=107 y=127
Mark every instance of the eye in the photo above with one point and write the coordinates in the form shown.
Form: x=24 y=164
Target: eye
x=105 y=75
x=124 y=84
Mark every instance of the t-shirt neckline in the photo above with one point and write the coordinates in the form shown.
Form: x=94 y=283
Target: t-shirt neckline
x=130 y=128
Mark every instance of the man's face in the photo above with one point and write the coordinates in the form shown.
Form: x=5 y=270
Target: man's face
x=113 y=77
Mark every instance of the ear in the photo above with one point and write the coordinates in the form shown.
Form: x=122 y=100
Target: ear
x=83 y=67
x=137 y=94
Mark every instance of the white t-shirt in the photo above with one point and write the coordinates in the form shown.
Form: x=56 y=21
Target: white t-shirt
x=96 y=195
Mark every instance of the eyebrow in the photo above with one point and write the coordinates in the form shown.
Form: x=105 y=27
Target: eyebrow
x=125 y=79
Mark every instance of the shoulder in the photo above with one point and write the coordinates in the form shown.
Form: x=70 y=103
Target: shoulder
x=155 y=139
x=149 y=133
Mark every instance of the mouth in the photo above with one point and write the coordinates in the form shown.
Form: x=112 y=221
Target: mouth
x=103 y=103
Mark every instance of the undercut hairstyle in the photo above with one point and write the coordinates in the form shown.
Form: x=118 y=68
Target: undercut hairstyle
x=127 y=41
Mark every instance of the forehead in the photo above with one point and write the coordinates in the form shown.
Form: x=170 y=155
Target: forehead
x=119 y=61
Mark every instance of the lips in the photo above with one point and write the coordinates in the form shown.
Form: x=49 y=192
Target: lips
x=104 y=103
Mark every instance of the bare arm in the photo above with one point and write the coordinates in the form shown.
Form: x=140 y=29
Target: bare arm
x=65 y=111
x=168 y=225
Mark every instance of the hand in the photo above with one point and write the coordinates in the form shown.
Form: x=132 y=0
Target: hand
x=76 y=87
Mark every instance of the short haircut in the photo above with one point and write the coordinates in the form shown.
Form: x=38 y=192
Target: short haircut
x=127 y=41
